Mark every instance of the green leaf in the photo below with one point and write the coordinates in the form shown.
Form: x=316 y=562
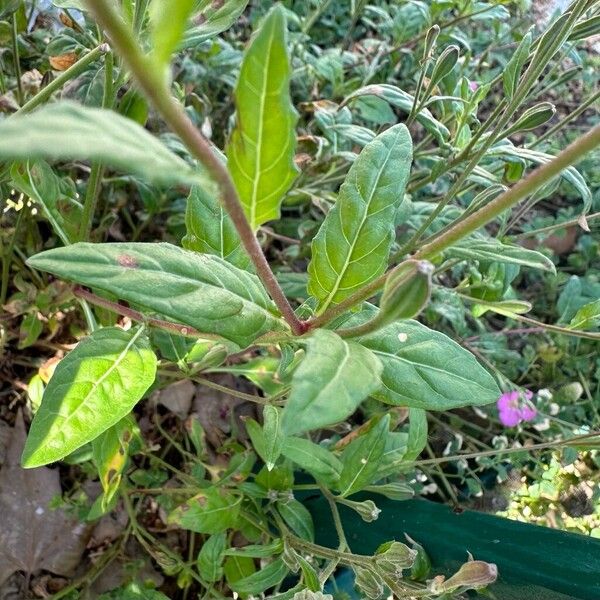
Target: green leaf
x=512 y=71
x=210 y=229
x=238 y=567
x=67 y=131
x=506 y=308
x=332 y=380
x=318 y=461
x=93 y=387
x=268 y=439
x=353 y=244
x=587 y=317
x=404 y=101
x=492 y=250
x=30 y=330
x=297 y=518
x=168 y=22
x=257 y=551
x=423 y=368
x=268 y=577
x=363 y=456
x=394 y=454
x=198 y=290
x=37 y=180
x=213 y=18
x=211 y=511
x=210 y=558
x=417 y=434
x=262 y=146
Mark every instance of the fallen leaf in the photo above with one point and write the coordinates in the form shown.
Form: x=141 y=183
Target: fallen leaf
x=33 y=536
x=63 y=62
x=177 y=397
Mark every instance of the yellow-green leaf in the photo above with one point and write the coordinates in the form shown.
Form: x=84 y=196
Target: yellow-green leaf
x=262 y=145
x=93 y=387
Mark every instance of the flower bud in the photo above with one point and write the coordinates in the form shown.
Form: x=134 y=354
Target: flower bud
x=392 y=557
x=533 y=117
x=406 y=291
x=368 y=582
x=430 y=38
x=472 y=575
x=367 y=510
x=422 y=565
x=444 y=64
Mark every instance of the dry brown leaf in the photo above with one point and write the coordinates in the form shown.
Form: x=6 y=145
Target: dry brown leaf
x=63 y=61
x=177 y=397
x=33 y=536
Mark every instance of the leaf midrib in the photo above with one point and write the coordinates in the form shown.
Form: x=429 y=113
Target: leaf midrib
x=341 y=274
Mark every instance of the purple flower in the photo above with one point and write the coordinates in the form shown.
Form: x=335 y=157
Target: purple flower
x=473 y=86
x=513 y=408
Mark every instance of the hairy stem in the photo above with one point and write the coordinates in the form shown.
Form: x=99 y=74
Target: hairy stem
x=153 y=85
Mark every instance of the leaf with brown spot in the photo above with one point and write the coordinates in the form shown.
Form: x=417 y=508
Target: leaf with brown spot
x=34 y=536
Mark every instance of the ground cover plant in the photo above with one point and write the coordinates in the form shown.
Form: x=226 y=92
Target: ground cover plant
x=255 y=253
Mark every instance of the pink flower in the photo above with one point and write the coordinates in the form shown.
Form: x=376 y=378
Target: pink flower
x=513 y=408
x=473 y=86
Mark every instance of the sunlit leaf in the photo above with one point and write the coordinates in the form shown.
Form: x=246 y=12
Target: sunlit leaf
x=262 y=145
x=68 y=131
x=93 y=387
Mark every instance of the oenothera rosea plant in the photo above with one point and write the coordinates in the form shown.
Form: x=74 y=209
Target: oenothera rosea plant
x=355 y=337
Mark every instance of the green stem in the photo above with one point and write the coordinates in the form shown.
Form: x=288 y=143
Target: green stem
x=8 y=255
x=71 y=73
x=563 y=225
x=17 y=61
x=93 y=187
x=154 y=86
x=575 y=441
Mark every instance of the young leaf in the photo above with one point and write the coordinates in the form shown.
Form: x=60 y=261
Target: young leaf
x=512 y=71
x=168 y=21
x=587 y=317
x=318 y=461
x=394 y=454
x=417 y=434
x=362 y=457
x=262 y=580
x=330 y=383
x=210 y=229
x=93 y=387
x=211 y=511
x=198 y=290
x=491 y=250
x=213 y=18
x=67 y=131
x=261 y=149
x=423 y=368
x=297 y=518
x=210 y=558
x=268 y=439
x=353 y=244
